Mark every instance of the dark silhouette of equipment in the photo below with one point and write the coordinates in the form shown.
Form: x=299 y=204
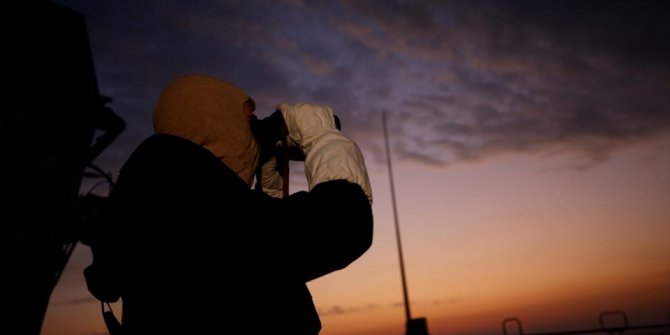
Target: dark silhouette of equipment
x=47 y=142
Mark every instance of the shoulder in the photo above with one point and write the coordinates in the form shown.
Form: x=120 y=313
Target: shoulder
x=161 y=152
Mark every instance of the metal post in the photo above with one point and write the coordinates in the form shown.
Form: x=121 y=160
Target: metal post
x=395 y=219
x=416 y=326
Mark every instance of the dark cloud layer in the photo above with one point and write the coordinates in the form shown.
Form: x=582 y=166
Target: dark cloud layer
x=459 y=80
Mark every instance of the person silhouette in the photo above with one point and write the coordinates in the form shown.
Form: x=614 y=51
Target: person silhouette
x=189 y=247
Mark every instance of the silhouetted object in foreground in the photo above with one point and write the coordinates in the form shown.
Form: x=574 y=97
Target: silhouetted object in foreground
x=190 y=248
x=47 y=128
x=417 y=326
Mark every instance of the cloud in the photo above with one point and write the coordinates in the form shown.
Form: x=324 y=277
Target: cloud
x=459 y=81
x=339 y=310
x=563 y=79
x=77 y=301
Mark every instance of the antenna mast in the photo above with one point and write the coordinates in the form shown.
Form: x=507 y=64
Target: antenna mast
x=408 y=315
x=414 y=326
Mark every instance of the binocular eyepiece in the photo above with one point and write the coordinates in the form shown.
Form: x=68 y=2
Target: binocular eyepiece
x=271 y=135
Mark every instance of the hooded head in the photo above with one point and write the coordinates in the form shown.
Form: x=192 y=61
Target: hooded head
x=213 y=114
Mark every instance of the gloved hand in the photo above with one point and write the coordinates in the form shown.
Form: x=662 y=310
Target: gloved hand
x=270 y=180
x=270 y=134
x=328 y=154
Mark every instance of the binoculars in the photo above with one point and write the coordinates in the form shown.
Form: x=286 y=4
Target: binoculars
x=271 y=133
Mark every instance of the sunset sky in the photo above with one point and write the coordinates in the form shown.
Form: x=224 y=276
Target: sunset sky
x=530 y=143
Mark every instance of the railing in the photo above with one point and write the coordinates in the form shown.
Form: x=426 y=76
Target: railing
x=605 y=320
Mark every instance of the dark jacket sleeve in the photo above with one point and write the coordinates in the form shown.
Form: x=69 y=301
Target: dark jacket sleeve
x=329 y=227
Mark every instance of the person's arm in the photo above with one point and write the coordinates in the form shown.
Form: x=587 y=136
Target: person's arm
x=330 y=226
x=103 y=275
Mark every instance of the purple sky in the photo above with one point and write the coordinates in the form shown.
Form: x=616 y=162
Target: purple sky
x=461 y=80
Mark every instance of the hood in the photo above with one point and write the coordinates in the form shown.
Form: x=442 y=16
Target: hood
x=211 y=113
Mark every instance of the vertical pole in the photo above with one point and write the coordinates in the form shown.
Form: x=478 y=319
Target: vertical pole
x=395 y=218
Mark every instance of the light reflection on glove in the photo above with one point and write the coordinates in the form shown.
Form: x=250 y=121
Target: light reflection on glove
x=271 y=181
x=329 y=155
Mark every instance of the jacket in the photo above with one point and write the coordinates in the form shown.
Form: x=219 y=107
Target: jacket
x=189 y=247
